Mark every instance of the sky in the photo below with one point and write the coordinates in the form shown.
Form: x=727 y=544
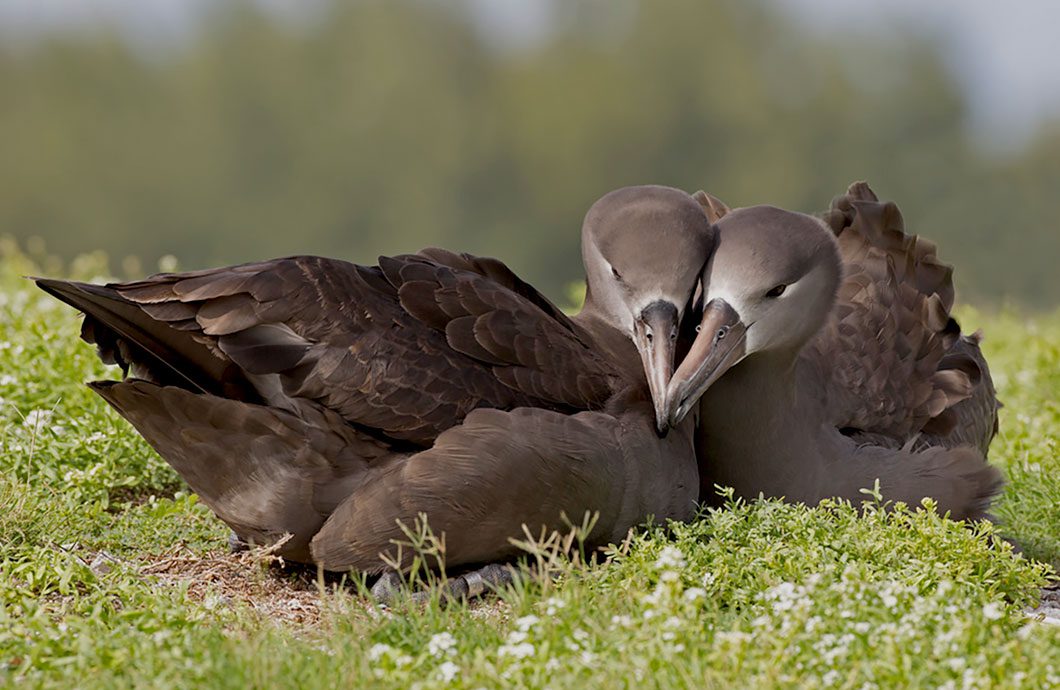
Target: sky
x=1006 y=55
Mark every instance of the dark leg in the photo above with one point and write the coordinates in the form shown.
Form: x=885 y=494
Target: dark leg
x=476 y=583
x=236 y=544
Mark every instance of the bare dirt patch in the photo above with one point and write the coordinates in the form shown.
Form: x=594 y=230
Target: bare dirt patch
x=254 y=578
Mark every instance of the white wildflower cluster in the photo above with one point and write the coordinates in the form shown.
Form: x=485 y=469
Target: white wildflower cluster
x=831 y=648
x=694 y=594
x=580 y=643
x=447 y=672
x=670 y=559
x=15 y=349
x=788 y=605
x=993 y=611
x=827 y=621
x=386 y=659
x=89 y=475
x=553 y=605
x=891 y=593
x=517 y=645
x=670 y=563
x=37 y=418
x=93 y=438
x=732 y=638
x=442 y=644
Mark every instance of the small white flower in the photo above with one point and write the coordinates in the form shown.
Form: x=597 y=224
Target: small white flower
x=517 y=636
x=378 y=651
x=588 y=658
x=889 y=600
x=37 y=418
x=733 y=637
x=441 y=644
x=992 y=611
x=694 y=594
x=553 y=605
x=7 y=380
x=527 y=622
x=672 y=622
x=517 y=651
x=621 y=621
x=448 y=672
x=580 y=635
x=670 y=558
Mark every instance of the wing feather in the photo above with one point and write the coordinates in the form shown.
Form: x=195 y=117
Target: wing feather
x=898 y=364
x=407 y=348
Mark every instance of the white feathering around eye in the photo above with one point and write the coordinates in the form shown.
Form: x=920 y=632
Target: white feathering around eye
x=606 y=292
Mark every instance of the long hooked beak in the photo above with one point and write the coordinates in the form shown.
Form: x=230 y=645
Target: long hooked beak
x=655 y=335
x=719 y=345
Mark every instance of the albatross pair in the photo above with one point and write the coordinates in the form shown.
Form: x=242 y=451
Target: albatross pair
x=334 y=402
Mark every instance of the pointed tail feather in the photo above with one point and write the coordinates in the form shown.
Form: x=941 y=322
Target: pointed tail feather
x=125 y=334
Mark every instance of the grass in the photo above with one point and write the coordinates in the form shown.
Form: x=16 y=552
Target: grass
x=111 y=575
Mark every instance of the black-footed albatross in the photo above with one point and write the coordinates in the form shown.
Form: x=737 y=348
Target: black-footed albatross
x=829 y=359
x=329 y=401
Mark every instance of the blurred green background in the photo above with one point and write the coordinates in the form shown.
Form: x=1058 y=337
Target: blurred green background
x=358 y=128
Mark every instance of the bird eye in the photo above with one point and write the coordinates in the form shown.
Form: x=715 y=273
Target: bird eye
x=615 y=273
x=777 y=291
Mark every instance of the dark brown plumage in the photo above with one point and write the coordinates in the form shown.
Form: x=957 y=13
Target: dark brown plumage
x=829 y=359
x=329 y=401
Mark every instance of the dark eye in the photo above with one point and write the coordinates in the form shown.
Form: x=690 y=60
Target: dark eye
x=615 y=273
x=777 y=291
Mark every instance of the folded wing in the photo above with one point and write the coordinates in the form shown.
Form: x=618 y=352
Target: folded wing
x=403 y=350
x=896 y=362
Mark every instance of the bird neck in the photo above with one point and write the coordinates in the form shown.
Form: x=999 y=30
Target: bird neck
x=758 y=430
x=606 y=339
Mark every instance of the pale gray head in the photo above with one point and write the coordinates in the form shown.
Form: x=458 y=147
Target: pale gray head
x=644 y=249
x=768 y=287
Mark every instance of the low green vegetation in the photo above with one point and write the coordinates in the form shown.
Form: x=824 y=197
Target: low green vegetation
x=112 y=575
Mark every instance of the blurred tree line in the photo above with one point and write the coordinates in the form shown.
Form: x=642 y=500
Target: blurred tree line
x=382 y=127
